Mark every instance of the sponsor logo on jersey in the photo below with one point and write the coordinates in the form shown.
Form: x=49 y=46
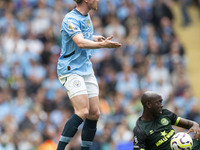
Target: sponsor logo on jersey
x=165 y=138
x=164 y=121
x=163 y=133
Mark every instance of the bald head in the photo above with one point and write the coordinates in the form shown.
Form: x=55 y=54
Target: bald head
x=152 y=104
x=149 y=96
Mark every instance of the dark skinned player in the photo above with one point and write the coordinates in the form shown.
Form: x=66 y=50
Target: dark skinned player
x=154 y=130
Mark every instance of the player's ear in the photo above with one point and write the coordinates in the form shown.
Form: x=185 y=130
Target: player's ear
x=148 y=104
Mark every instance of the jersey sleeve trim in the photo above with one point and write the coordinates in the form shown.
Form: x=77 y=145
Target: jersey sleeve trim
x=177 y=121
x=79 y=32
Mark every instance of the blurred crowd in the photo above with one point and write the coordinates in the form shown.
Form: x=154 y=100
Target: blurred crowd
x=34 y=105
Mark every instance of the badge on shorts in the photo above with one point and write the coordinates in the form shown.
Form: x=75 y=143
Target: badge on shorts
x=164 y=121
x=77 y=83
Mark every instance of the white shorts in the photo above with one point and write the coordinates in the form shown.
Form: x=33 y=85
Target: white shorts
x=78 y=85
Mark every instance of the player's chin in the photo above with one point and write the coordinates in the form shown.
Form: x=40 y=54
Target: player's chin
x=95 y=8
x=159 y=113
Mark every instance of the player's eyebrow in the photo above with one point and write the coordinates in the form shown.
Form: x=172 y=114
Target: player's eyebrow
x=159 y=100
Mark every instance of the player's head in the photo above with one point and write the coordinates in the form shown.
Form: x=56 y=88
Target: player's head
x=152 y=102
x=92 y=4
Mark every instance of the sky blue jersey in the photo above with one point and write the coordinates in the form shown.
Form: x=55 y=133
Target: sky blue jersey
x=74 y=60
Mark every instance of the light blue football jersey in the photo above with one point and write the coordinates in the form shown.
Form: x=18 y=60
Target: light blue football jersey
x=74 y=60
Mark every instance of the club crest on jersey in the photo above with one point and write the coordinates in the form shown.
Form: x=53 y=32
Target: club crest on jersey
x=164 y=121
x=71 y=26
x=88 y=22
x=77 y=83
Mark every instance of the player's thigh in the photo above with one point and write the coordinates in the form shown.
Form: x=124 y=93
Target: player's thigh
x=94 y=110
x=81 y=105
x=93 y=94
x=77 y=92
x=91 y=85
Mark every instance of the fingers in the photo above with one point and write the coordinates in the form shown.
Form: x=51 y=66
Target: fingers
x=189 y=131
x=102 y=39
x=118 y=45
x=98 y=38
x=196 y=134
x=110 y=37
x=115 y=45
x=193 y=137
x=112 y=44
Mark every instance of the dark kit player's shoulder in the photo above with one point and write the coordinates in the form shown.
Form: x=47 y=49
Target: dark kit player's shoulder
x=169 y=114
x=139 y=127
x=166 y=112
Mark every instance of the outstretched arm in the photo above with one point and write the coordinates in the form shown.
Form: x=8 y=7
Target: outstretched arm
x=191 y=125
x=85 y=43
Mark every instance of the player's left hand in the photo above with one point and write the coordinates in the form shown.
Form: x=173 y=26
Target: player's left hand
x=98 y=38
x=196 y=130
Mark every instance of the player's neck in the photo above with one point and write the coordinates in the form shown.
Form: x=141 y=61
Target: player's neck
x=83 y=9
x=147 y=117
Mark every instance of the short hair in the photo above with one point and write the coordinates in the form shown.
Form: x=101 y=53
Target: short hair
x=78 y=1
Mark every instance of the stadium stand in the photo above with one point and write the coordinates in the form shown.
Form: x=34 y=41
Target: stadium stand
x=154 y=56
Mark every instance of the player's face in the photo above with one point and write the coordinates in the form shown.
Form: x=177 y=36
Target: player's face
x=93 y=4
x=157 y=107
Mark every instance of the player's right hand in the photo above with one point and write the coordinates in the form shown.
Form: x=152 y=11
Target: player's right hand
x=111 y=44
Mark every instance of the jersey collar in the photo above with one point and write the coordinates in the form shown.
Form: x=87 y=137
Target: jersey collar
x=79 y=12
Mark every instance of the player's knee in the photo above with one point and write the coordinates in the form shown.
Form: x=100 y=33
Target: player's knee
x=84 y=113
x=97 y=114
x=94 y=115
